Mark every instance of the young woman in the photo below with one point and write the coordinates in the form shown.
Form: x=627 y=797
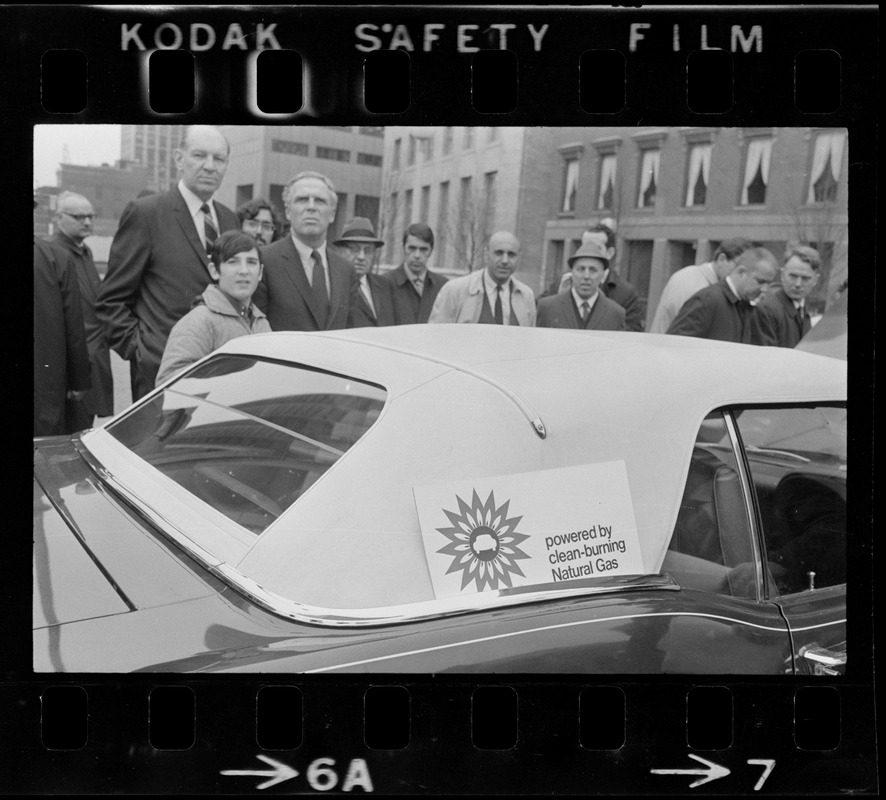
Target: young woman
x=224 y=311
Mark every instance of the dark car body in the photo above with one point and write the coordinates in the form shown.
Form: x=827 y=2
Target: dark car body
x=134 y=569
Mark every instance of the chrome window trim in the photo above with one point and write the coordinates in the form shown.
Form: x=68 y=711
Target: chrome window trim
x=750 y=498
x=433 y=609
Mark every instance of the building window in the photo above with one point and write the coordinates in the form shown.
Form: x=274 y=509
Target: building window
x=367 y=206
x=407 y=208
x=699 y=174
x=333 y=154
x=392 y=226
x=570 y=184
x=410 y=159
x=443 y=216
x=425 y=204
x=756 y=172
x=396 y=157
x=369 y=159
x=427 y=147
x=649 y=165
x=447 y=140
x=245 y=193
x=468 y=141
x=465 y=222
x=824 y=177
x=372 y=130
x=606 y=193
x=290 y=148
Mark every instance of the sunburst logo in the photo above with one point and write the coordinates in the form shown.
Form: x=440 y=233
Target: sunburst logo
x=483 y=543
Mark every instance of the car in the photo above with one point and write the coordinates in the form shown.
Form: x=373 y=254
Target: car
x=454 y=499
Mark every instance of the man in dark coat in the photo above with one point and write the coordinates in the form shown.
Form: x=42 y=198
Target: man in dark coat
x=583 y=306
x=158 y=262
x=61 y=359
x=73 y=224
x=612 y=284
x=359 y=247
x=306 y=286
x=414 y=286
x=781 y=319
x=722 y=311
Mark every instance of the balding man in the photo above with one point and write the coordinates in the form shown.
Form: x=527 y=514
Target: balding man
x=723 y=311
x=158 y=262
x=73 y=223
x=306 y=286
x=491 y=295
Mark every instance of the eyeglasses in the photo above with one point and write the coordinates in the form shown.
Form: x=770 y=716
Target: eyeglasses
x=265 y=226
x=80 y=217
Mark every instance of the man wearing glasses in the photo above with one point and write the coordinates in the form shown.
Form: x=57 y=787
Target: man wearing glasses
x=257 y=219
x=158 y=262
x=73 y=223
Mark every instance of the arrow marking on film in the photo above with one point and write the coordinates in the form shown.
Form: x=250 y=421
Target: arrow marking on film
x=280 y=772
x=711 y=772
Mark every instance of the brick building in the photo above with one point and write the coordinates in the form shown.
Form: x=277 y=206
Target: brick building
x=676 y=193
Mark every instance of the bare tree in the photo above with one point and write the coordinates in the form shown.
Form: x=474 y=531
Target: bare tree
x=469 y=225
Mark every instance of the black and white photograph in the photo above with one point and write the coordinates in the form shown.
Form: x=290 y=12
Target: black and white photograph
x=323 y=408
x=451 y=400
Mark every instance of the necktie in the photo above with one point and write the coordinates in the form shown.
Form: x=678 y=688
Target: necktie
x=419 y=285
x=499 y=316
x=209 y=229
x=318 y=286
x=585 y=311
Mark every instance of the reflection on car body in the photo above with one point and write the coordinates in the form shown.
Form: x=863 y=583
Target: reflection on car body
x=264 y=510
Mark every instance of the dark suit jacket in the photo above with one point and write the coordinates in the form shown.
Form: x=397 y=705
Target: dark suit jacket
x=714 y=313
x=408 y=306
x=285 y=295
x=382 y=298
x=775 y=321
x=623 y=293
x=156 y=268
x=559 y=311
x=100 y=400
x=61 y=360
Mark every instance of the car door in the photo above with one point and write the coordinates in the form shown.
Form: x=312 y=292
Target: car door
x=796 y=458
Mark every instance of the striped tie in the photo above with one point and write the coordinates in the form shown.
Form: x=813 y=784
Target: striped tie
x=209 y=229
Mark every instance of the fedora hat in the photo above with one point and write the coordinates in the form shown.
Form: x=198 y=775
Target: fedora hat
x=358 y=229
x=590 y=250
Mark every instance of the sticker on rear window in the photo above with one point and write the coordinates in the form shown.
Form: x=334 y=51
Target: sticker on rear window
x=529 y=528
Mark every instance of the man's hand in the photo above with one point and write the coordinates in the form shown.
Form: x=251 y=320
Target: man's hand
x=565 y=283
x=77 y=394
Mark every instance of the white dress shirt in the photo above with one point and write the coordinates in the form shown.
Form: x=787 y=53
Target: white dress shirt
x=490 y=286
x=304 y=253
x=195 y=205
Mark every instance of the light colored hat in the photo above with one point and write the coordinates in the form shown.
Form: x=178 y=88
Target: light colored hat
x=590 y=250
x=358 y=229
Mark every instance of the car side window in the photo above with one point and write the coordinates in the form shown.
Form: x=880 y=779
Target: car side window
x=797 y=463
x=711 y=548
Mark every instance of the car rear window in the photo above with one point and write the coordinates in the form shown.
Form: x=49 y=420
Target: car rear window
x=248 y=436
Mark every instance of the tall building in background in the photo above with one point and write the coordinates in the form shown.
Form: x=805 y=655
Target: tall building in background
x=264 y=158
x=466 y=183
x=676 y=193
x=108 y=188
x=152 y=146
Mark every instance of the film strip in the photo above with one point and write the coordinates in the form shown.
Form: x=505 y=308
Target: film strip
x=628 y=689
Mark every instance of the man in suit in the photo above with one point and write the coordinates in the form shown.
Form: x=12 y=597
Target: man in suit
x=583 y=306
x=305 y=285
x=414 y=286
x=723 y=311
x=61 y=358
x=781 y=319
x=491 y=295
x=611 y=284
x=158 y=262
x=358 y=246
x=687 y=281
x=73 y=223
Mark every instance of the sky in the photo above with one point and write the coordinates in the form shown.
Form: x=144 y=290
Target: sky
x=87 y=144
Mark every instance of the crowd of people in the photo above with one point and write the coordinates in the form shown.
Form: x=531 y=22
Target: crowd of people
x=186 y=274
